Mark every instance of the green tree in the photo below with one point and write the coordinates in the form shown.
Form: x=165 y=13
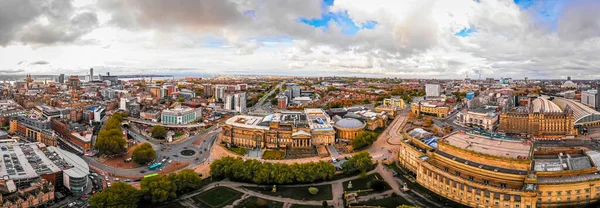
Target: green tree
x=366 y=101
x=110 y=139
x=181 y=99
x=144 y=154
x=364 y=139
x=360 y=162
x=119 y=195
x=159 y=132
x=185 y=180
x=313 y=190
x=158 y=189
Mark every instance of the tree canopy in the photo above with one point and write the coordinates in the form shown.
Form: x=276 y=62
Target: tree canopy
x=271 y=173
x=364 y=139
x=144 y=154
x=185 y=180
x=159 y=132
x=110 y=139
x=158 y=189
x=119 y=195
x=360 y=162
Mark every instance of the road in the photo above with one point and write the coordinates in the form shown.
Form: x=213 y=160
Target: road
x=173 y=151
x=258 y=107
x=135 y=120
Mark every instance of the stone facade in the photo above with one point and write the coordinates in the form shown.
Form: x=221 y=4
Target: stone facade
x=537 y=124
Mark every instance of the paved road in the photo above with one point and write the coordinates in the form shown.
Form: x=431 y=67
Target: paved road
x=258 y=107
x=202 y=152
x=135 y=120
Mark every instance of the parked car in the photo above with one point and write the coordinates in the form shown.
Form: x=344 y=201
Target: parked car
x=175 y=155
x=170 y=161
x=128 y=159
x=127 y=180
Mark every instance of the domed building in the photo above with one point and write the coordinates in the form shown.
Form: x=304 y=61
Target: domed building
x=348 y=128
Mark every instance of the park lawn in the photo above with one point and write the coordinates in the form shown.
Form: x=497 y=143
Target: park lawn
x=273 y=155
x=255 y=202
x=392 y=201
x=300 y=193
x=178 y=134
x=218 y=197
x=238 y=150
x=362 y=183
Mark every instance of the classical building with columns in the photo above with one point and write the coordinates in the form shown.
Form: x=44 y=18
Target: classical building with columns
x=478 y=171
x=309 y=128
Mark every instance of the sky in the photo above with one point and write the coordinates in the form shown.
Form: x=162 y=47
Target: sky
x=538 y=39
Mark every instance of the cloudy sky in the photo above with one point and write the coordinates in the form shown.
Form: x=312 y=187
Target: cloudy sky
x=384 y=38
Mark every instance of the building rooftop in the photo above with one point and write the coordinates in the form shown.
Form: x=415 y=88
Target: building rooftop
x=543 y=105
x=564 y=162
x=350 y=123
x=581 y=112
x=70 y=163
x=23 y=161
x=248 y=122
x=489 y=146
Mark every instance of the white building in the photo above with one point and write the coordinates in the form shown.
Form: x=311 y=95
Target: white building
x=485 y=118
x=180 y=115
x=229 y=102
x=589 y=98
x=220 y=92
x=99 y=114
x=240 y=102
x=432 y=90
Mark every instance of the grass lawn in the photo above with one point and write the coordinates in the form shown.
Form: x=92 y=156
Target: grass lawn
x=238 y=150
x=362 y=183
x=273 y=155
x=178 y=134
x=255 y=202
x=218 y=197
x=300 y=193
x=393 y=201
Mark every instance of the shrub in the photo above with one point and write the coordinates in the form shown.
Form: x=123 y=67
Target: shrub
x=313 y=190
x=377 y=185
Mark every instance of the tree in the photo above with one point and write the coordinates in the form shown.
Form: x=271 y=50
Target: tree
x=110 y=139
x=144 y=154
x=181 y=99
x=376 y=185
x=325 y=204
x=361 y=162
x=313 y=190
x=119 y=195
x=159 y=132
x=364 y=139
x=158 y=189
x=185 y=180
x=366 y=101
x=428 y=122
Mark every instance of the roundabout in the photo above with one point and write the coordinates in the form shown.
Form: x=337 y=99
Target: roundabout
x=187 y=152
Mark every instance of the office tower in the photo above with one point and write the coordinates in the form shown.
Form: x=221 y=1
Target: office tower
x=295 y=91
x=220 y=92
x=61 y=78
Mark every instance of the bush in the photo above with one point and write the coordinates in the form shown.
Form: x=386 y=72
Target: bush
x=377 y=185
x=325 y=203
x=313 y=190
x=361 y=162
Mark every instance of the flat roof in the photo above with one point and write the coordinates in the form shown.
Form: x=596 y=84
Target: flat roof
x=23 y=161
x=79 y=168
x=487 y=145
x=247 y=122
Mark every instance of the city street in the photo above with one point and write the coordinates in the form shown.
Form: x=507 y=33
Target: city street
x=261 y=106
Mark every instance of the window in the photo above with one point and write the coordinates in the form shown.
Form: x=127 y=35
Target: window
x=502 y=185
x=517 y=205
x=549 y=200
x=568 y=198
x=568 y=192
x=578 y=191
x=549 y=193
x=457 y=173
x=558 y=193
x=471 y=178
x=486 y=182
x=587 y=190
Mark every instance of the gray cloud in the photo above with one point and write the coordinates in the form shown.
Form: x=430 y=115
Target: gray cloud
x=20 y=20
x=11 y=71
x=41 y=62
x=580 y=19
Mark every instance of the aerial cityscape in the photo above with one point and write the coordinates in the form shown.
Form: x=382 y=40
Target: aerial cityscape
x=299 y=104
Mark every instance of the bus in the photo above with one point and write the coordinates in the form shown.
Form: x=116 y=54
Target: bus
x=155 y=165
x=151 y=175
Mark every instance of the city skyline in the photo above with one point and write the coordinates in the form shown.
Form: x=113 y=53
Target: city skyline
x=405 y=39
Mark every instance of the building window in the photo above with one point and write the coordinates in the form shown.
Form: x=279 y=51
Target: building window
x=502 y=185
x=549 y=193
x=457 y=173
x=558 y=193
x=471 y=178
x=486 y=182
x=568 y=192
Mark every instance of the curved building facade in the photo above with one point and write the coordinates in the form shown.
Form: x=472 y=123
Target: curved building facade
x=478 y=171
x=348 y=128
